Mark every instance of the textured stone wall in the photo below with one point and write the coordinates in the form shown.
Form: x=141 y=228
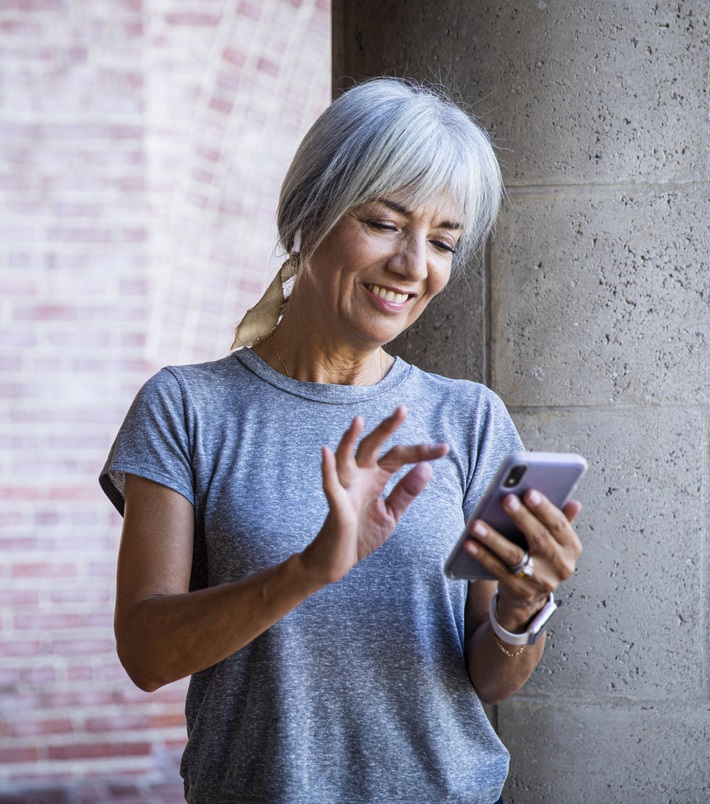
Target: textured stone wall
x=591 y=318
x=143 y=143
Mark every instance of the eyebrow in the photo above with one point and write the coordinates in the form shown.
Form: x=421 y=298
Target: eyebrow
x=395 y=207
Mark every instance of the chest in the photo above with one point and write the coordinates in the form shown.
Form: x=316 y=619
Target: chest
x=260 y=498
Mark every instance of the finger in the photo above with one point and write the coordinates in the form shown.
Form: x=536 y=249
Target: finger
x=481 y=549
x=331 y=483
x=399 y=456
x=370 y=446
x=571 y=510
x=506 y=552
x=346 y=447
x=499 y=555
x=539 y=520
x=408 y=489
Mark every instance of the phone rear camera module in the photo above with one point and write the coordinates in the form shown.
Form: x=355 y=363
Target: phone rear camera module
x=515 y=476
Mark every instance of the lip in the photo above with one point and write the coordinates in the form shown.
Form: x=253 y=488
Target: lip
x=398 y=300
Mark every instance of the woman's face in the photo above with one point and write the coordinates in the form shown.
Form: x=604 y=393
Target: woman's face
x=378 y=269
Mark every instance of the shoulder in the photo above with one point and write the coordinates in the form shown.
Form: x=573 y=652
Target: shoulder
x=457 y=391
x=192 y=380
x=469 y=413
x=213 y=371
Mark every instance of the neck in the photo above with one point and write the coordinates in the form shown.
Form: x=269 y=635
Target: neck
x=306 y=358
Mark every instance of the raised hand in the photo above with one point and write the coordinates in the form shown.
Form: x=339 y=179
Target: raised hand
x=360 y=519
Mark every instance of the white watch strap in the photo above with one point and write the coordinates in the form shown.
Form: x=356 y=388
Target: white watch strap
x=528 y=637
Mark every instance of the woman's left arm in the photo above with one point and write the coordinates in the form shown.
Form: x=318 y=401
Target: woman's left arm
x=496 y=668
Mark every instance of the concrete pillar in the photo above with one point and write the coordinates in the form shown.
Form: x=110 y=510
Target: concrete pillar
x=591 y=318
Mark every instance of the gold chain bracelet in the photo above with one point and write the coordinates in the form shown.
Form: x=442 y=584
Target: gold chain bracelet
x=507 y=652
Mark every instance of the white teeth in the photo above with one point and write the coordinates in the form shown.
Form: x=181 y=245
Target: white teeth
x=389 y=295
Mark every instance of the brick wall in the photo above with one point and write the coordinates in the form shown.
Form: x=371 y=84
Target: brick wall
x=143 y=142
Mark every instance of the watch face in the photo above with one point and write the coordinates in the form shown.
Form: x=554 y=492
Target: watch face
x=539 y=623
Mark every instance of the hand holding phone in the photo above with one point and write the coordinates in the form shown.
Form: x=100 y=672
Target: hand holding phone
x=554 y=474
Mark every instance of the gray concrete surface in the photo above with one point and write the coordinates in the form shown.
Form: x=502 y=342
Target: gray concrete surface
x=592 y=320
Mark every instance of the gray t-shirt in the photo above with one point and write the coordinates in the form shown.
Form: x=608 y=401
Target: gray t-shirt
x=361 y=693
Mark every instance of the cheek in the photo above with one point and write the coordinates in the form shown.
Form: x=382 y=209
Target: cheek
x=438 y=280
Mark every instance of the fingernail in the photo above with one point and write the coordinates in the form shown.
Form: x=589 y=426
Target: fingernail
x=512 y=503
x=471 y=547
x=534 y=498
x=480 y=529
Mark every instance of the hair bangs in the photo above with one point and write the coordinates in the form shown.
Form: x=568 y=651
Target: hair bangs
x=386 y=137
x=426 y=158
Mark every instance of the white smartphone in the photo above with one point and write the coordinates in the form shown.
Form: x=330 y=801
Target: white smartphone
x=554 y=474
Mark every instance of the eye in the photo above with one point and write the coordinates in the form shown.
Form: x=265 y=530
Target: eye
x=382 y=226
x=442 y=245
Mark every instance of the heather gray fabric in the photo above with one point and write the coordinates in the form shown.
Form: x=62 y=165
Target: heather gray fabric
x=361 y=693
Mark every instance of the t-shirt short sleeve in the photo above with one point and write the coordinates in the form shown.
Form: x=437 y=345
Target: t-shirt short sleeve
x=153 y=442
x=498 y=437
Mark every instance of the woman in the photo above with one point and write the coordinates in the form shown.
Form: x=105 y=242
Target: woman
x=293 y=566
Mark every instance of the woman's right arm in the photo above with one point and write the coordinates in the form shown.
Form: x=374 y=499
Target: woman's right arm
x=164 y=632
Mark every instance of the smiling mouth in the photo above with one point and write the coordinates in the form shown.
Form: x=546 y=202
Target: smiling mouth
x=388 y=295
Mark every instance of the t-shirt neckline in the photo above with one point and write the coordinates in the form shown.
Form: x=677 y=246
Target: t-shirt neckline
x=323 y=392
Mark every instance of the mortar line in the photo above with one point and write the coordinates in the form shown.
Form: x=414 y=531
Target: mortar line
x=487 y=323
x=513 y=190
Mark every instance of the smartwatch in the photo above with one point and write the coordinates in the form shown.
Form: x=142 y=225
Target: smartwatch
x=536 y=627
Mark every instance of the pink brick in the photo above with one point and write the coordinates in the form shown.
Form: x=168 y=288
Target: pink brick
x=72 y=493
x=83 y=647
x=132 y=749
x=167 y=720
x=39 y=674
x=77 y=697
x=9 y=677
x=235 y=57
x=11 y=755
x=247 y=9
x=18 y=543
x=19 y=27
x=119 y=722
x=268 y=66
x=221 y=105
x=19 y=702
x=192 y=18
x=82 y=672
x=43 y=570
x=45 y=621
x=20 y=647
x=81 y=595
x=19 y=597
x=42 y=727
x=80 y=751
x=46 y=780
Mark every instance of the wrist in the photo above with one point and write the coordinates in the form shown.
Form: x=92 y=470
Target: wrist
x=320 y=561
x=305 y=572
x=533 y=629
x=516 y=618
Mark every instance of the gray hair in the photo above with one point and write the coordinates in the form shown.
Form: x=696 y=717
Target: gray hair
x=384 y=136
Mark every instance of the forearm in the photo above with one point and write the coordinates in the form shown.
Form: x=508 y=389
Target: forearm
x=496 y=674
x=165 y=637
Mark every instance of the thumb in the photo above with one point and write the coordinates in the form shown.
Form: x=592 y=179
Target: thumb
x=408 y=489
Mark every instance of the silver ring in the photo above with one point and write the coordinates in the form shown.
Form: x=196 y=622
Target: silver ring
x=525 y=567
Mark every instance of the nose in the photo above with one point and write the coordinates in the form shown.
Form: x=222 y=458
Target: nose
x=410 y=258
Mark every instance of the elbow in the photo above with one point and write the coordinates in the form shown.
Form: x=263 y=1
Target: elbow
x=139 y=675
x=491 y=697
x=491 y=692
x=138 y=668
